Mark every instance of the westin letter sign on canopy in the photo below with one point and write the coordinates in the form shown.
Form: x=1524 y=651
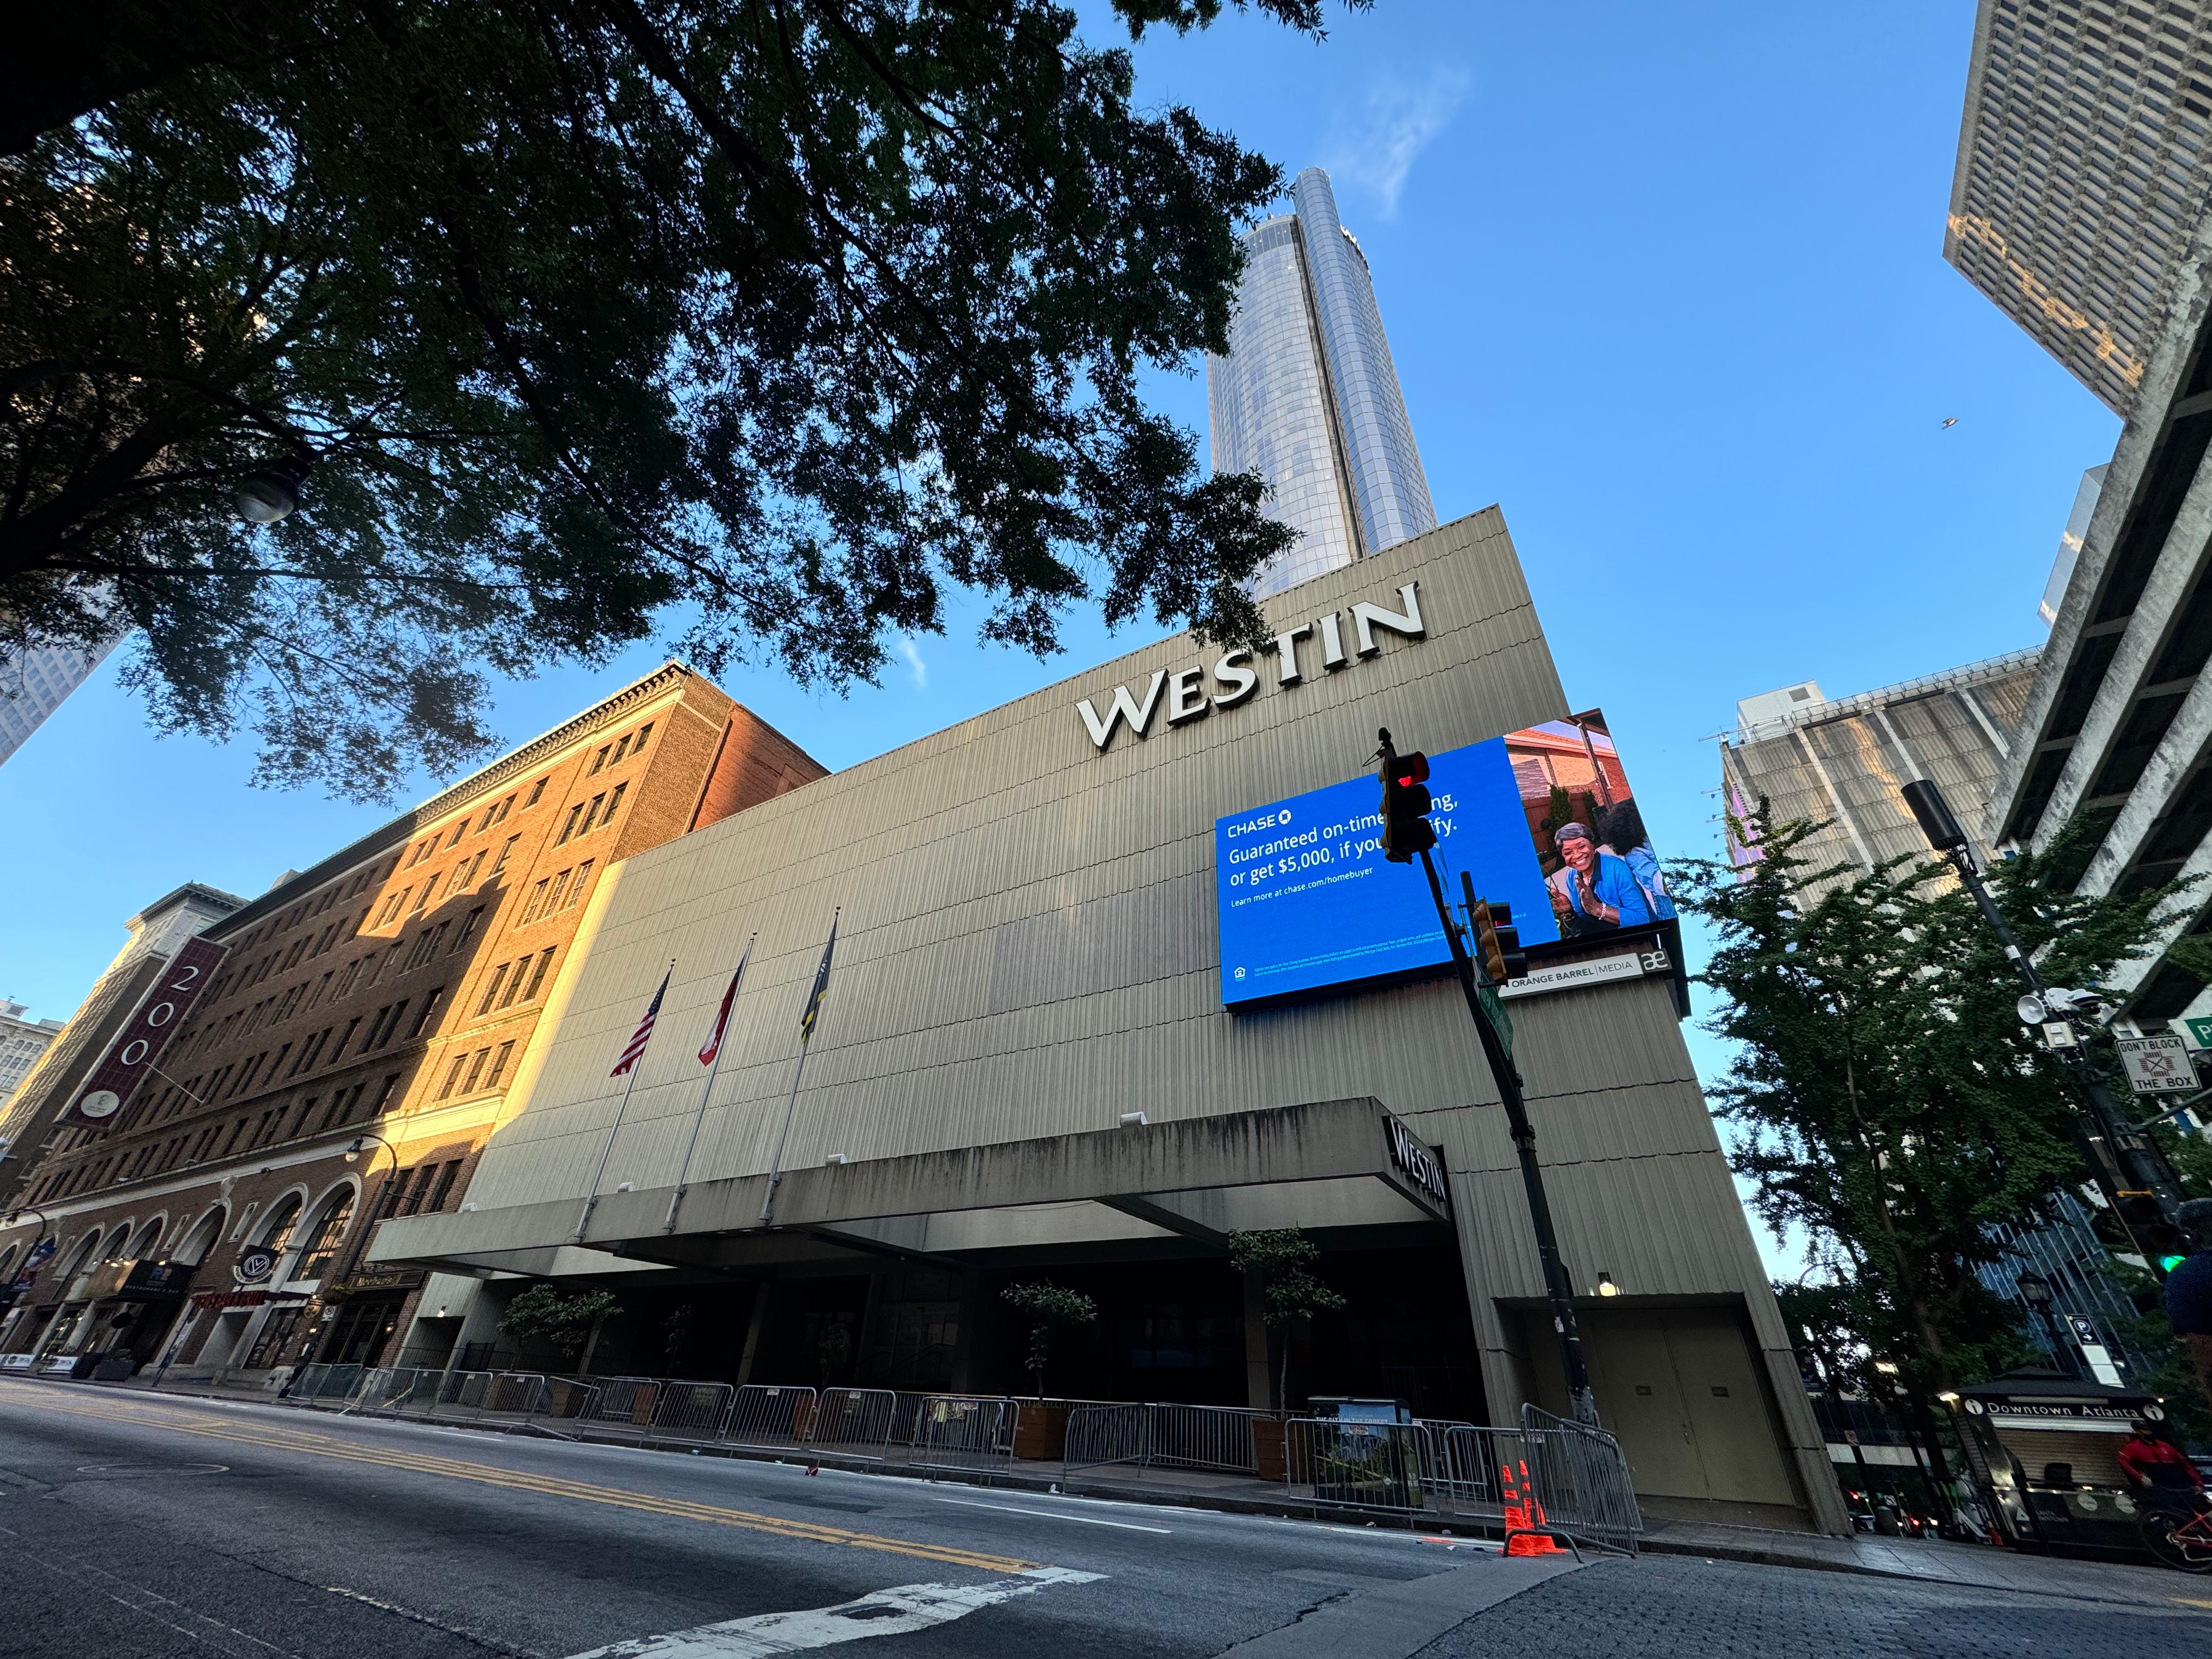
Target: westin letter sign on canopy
x=1187 y=698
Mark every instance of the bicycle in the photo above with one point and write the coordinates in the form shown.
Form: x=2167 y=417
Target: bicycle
x=2177 y=1529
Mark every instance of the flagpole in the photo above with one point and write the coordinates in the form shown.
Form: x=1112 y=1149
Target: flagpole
x=699 y=1118
x=775 y=1163
x=805 y=1039
x=629 y=1082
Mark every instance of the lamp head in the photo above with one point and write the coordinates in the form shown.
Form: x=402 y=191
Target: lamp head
x=270 y=493
x=2034 y=1289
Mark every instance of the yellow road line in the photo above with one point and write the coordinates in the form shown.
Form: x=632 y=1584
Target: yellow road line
x=275 y=1438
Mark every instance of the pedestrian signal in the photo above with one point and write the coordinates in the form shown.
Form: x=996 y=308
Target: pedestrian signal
x=1405 y=827
x=1498 y=943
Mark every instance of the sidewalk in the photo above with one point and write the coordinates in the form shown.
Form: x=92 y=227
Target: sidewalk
x=1930 y=1560
x=1936 y=1561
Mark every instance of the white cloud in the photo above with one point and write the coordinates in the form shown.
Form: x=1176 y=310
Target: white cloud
x=1375 y=143
x=914 y=662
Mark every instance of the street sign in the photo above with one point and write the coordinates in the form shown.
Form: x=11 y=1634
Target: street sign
x=2202 y=1030
x=2158 y=1065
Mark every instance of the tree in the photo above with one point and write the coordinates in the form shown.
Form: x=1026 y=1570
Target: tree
x=1887 y=1103
x=1049 y=1308
x=565 y=1321
x=1282 y=1259
x=774 y=318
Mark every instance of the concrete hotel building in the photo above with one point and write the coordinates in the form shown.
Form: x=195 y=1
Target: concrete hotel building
x=1023 y=1066
x=353 y=1050
x=1308 y=396
x=1841 y=762
x=2085 y=161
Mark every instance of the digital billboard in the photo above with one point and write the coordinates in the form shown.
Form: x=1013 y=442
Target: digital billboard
x=1543 y=819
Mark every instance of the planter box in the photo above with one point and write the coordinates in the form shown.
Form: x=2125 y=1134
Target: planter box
x=1041 y=1433
x=568 y=1399
x=1268 y=1448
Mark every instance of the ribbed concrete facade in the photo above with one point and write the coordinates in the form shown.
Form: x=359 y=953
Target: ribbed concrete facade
x=1840 y=763
x=2085 y=160
x=1027 y=951
x=2117 y=733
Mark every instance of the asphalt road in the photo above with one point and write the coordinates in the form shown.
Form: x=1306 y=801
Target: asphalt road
x=146 y=1527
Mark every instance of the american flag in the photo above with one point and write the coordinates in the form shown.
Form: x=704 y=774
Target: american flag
x=643 y=1035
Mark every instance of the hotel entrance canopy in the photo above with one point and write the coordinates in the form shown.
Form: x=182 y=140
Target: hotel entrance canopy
x=1323 y=1165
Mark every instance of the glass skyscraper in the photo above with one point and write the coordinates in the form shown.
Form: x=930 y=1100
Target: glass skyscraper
x=1308 y=397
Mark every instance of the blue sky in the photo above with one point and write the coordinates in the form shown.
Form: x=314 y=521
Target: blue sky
x=1666 y=283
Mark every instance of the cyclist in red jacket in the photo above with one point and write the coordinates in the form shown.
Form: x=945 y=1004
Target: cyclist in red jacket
x=2152 y=1462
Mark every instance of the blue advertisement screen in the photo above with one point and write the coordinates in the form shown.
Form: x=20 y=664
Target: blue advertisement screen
x=1541 y=819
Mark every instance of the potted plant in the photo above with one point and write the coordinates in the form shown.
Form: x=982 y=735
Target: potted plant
x=1281 y=1259
x=1040 y=1434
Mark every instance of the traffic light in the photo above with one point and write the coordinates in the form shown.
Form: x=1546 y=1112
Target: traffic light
x=2161 y=1243
x=1405 y=827
x=1498 y=943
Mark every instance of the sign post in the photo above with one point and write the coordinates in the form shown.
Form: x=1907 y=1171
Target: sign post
x=2158 y=1065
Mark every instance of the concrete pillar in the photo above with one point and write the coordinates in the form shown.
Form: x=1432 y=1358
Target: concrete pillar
x=753 y=1333
x=1259 y=1375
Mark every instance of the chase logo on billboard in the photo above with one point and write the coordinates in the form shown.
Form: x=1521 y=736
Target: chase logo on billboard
x=1189 y=699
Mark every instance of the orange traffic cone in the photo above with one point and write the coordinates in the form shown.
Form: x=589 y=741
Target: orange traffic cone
x=1523 y=1537
x=1516 y=1517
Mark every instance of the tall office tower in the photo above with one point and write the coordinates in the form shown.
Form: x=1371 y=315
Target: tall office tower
x=1308 y=397
x=34 y=684
x=2085 y=160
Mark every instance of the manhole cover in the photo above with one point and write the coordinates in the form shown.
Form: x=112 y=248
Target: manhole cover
x=140 y=1471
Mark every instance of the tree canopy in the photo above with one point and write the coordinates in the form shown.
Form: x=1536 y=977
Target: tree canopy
x=773 y=317
x=1888 y=1105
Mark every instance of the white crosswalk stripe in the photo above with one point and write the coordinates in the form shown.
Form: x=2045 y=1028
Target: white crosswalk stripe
x=891 y=1612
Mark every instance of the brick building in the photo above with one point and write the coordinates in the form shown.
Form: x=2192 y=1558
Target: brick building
x=353 y=1052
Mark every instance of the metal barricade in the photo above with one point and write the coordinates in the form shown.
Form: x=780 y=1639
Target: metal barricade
x=968 y=1432
x=692 y=1411
x=620 y=1401
x=853 y=1417
x=1336 y=1465
x=1217 y=1437
x=1580 y=1478
x=1098 y=1436
x=764 y=1414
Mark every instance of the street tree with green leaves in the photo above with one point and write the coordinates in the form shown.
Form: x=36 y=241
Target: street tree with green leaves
x=759 y=323
x=1888 y=1107
x=1282 y=1259
x=568 y=1321
x=1049 y=1308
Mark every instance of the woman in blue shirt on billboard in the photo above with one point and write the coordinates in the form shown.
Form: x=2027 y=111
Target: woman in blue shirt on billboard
x=1598 y=886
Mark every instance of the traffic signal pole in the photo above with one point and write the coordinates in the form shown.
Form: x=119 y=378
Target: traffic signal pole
x=2128 y=1153
x=1559 y=1289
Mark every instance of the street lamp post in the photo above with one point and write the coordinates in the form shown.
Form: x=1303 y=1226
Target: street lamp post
x=2137 y=1169
x=2035 y=1291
